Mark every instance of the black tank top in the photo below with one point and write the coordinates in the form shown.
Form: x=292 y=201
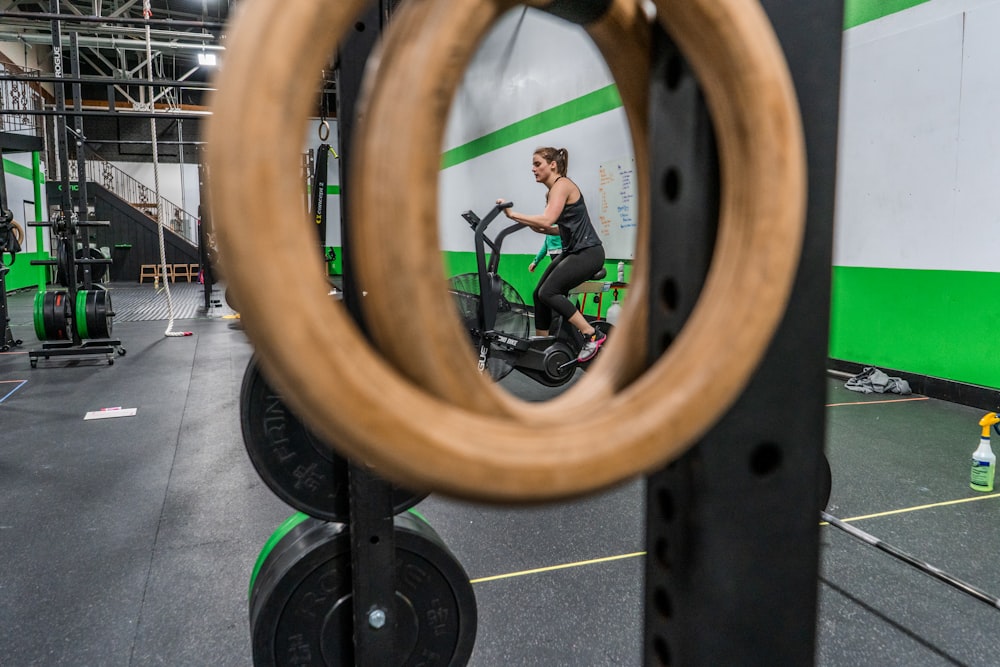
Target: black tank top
x=575 y=228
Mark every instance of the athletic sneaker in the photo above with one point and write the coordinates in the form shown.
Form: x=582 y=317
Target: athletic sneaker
x=593 y=344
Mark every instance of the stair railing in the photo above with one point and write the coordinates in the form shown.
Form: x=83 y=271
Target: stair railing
x=134 y=192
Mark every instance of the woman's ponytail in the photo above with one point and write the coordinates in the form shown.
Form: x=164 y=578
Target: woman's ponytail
x=558 y=155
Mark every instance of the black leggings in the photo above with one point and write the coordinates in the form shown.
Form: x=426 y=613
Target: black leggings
x=563 y=274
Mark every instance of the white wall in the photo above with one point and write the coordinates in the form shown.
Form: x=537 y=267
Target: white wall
x=918 y=168
x=523 y=68
x=170 y=175
x=27 y=56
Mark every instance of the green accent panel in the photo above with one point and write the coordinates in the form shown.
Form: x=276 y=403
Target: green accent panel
x=19 y=170
x=592 y=104
x=941 y=324
x=333 y=189
x=22 y=274
x=857 y=12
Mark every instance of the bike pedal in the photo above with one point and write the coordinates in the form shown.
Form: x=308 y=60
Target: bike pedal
x=569 y=363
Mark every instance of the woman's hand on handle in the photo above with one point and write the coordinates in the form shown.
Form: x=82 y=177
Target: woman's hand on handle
x=507 y=208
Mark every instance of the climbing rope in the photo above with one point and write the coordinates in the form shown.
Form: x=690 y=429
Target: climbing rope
x=147 y=14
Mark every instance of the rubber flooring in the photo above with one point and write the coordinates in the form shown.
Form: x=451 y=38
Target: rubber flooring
x=130 y=541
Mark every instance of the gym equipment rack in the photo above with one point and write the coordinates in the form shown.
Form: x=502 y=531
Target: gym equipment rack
x=373 y=549
x=68 y=220
x=732 y=527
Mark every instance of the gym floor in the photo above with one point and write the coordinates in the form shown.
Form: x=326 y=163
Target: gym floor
x=130 y=541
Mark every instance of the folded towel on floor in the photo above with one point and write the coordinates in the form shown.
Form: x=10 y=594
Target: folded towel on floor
x=873 y=381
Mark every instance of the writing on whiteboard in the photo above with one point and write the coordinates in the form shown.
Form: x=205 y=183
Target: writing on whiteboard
x=617 y=221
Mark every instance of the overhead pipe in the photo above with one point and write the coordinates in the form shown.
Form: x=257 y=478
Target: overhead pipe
x=74 y=18
x=111 y=43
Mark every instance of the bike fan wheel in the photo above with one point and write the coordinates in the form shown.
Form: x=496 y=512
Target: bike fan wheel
x=512 y=318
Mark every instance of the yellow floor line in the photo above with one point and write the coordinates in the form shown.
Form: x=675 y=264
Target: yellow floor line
x=916 y=508
x=894 y=400
x=638 y=554
x=564 y=566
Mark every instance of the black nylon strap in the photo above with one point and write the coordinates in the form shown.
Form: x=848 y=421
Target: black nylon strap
x=582 y=12
x=319 y=190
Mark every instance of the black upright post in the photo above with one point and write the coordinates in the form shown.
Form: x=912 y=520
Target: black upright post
x=732 y=526
x=66 y=226
x=83 y=212
x=373 y=553
x=60 y=95
x=7 y=339
x=205 y=225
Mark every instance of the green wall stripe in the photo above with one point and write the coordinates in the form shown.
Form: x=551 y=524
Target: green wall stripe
x=932 y=323
x=15 y=169
x=857 y=12
x=592 y=104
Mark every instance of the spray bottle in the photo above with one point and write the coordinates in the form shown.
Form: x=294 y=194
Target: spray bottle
x=984 y=461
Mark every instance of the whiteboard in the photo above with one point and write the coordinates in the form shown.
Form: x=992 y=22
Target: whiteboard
x=616 y=215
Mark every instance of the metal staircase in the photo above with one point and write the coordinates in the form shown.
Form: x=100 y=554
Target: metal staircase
x=98 y=170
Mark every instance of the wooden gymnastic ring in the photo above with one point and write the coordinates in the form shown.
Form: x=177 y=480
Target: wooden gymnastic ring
x=622 y=35
x=420 y=79
x=18 y=232
x=314 y=353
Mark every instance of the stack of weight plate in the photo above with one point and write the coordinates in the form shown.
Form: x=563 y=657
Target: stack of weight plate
x=91 y=314
x=301 y=589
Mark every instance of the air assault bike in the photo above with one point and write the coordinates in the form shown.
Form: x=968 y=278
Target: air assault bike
x=499 y=322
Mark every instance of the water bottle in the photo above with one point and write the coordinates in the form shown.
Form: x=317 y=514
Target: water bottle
x=621 y=273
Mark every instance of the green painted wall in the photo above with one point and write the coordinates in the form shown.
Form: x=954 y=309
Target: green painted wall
x=514 y=269
x=942 y=324
x=937 y=323
x=22 y=274
x=857 y=12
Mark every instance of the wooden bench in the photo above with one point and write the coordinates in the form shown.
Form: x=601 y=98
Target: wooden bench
x=182 y=271
x=151 y=271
